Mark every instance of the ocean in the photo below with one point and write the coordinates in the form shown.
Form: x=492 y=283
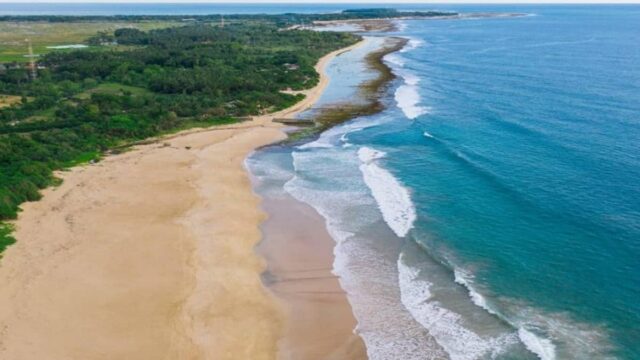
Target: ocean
x=492 y=211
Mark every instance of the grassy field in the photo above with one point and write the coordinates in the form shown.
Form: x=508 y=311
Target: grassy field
x=13 y=35
x=8 y=100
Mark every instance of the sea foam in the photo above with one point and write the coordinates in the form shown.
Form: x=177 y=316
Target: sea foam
x=392 y=198
x=394 y=59
x=542 y=347
x=366 y=272
x=407 y=95
x=408 y=100
x=577 y=339
x=412 y=45
x=444 y=325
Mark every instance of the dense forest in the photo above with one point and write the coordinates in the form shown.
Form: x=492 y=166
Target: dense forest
x=280 y=19
x=84 y=102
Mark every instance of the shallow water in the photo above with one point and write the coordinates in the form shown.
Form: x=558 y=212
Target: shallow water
x=493 y=210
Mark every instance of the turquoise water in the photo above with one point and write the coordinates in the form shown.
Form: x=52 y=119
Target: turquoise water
x=530 y=178
x=493 y=210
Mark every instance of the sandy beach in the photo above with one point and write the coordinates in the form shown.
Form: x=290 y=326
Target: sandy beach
x=299 y=253
x=150 y=255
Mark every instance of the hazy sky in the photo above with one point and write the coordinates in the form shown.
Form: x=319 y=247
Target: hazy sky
x=331 y=1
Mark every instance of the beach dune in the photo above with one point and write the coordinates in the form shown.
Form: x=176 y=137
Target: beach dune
x=148 y=255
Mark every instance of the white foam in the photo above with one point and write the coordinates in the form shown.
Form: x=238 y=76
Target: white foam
x=338 y=134
x=394 y=60
x=578 y=340
x=427 y=134
x=338 y=193
x=408 y=100
x=407 y=96
x=557 y=335
x=462 y=278
x=401 y=25
x=410 y=79
x=542 y=347
x=367 y=155
x=412 y=45
x=392 y=198
x=445 y=325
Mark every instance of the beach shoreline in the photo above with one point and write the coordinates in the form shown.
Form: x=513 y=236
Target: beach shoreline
x=296 y=242
x=298 y=250
x=148 y=254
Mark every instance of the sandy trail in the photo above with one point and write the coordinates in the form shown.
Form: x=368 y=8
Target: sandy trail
x=148 y=255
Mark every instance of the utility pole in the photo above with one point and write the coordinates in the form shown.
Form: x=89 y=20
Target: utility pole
x=33 y=70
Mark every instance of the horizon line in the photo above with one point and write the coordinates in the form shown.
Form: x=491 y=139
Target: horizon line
x=337 y=2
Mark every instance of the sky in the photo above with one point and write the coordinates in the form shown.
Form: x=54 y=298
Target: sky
x=334 y=1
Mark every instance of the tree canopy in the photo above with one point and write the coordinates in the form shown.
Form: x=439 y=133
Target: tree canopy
x=84 y=102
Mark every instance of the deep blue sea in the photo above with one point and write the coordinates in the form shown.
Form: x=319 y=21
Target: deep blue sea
x=493 y=209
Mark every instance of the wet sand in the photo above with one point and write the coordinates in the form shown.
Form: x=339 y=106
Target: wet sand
x=299 y=253
x=149 y=255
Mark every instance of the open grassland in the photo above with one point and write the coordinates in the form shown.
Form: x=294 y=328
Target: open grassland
x=42 y=34
x=8 y=100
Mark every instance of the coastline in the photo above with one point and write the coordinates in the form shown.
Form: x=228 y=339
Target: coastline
x=296 y=242
x=105 y=252
x=367 y=97
x=391 y=24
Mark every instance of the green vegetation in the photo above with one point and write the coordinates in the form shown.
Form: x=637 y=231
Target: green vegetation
x=85 y=102
x=112 y=89
x=82 y=158
x=44 y=33
x=140 y=77
x=5 y=236
x=280 y=19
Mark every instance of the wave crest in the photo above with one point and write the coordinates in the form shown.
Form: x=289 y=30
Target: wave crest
x=407 y=96
x=444 y=325
x=392 y=198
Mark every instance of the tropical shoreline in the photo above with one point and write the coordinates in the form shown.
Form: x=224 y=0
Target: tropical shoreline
x=297 y=244
x=128 y=250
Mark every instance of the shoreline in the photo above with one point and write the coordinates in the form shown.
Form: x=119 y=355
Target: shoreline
x=299 y=252
x=96 y=256
x=297 y=245
x=368 y=94
x=391 y=24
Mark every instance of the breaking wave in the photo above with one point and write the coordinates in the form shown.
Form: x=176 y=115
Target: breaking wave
x=407 y=95
x=392 y=198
